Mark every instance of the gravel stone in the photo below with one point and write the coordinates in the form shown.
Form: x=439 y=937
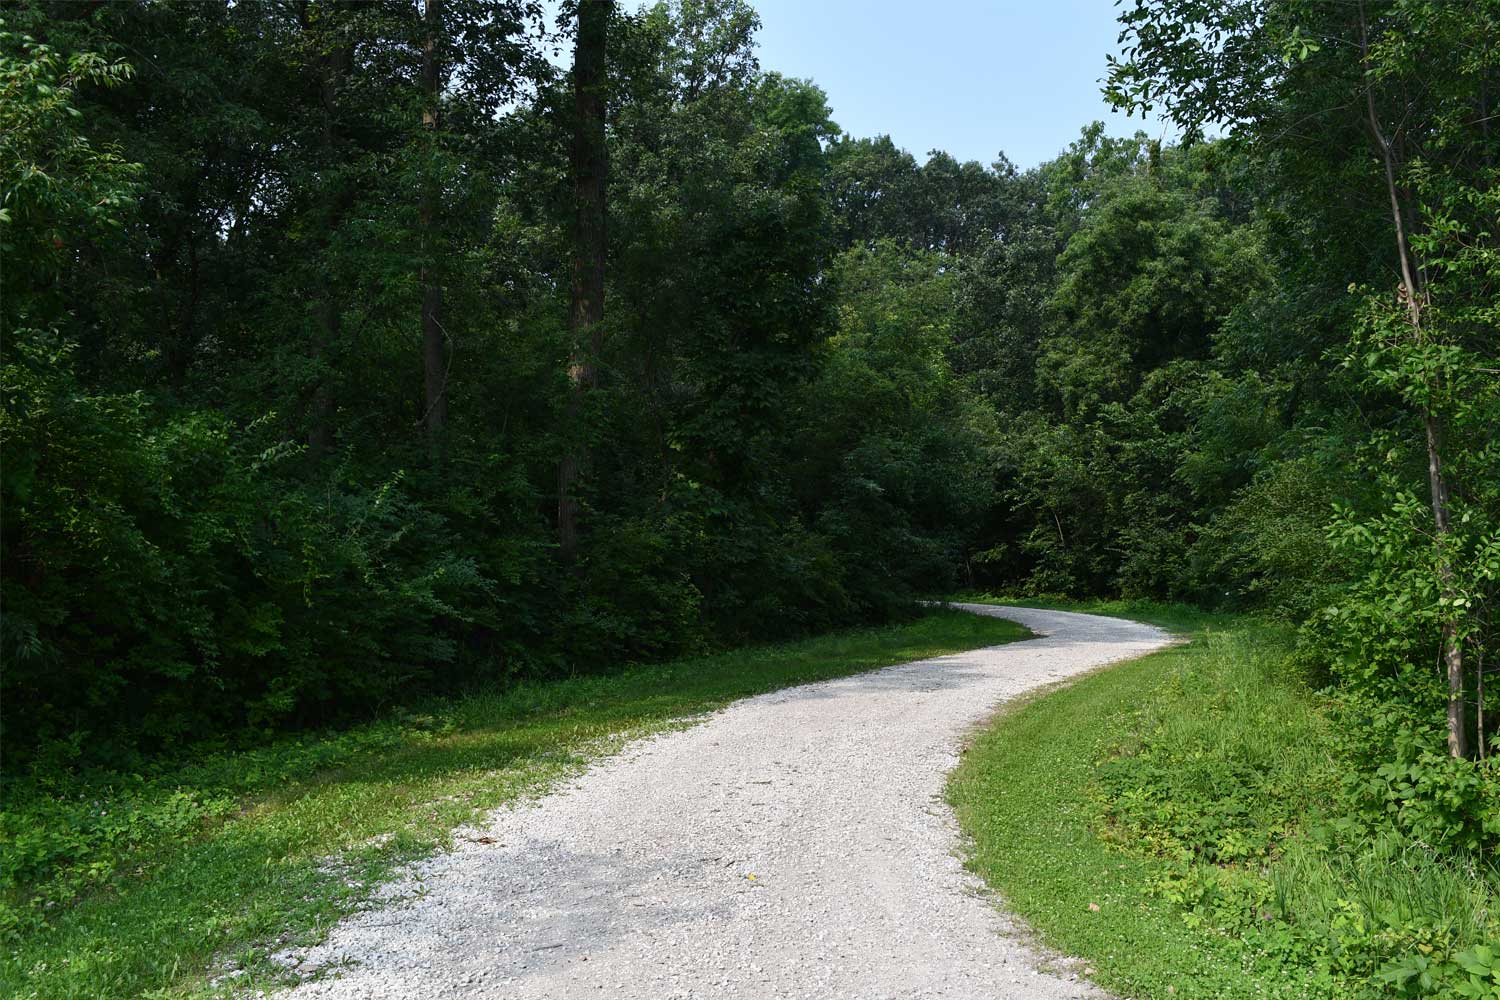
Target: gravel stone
x=793 y=845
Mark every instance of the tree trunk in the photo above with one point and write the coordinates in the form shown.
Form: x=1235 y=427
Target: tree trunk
x=1453 y=650
x=333 y=64
x=434 y=362
x=586 y=293
x=1413 y=291
x=320 y=430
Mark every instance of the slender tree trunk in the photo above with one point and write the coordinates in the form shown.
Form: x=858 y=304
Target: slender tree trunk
x=1480 y=750
x=334 y=65
x=1453 y=650
x=586 y=294
x=1414 y=292
x=320 y=430
x=179 y=353
x=434 y=362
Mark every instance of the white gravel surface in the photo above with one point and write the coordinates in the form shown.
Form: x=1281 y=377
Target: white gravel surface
x=794 y=844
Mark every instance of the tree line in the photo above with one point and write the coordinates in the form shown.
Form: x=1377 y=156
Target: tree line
x=355 y=350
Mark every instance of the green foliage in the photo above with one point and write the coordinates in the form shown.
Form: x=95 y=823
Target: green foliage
x=1395 y=610
x=897 y=452
x=1269 y=546
x=56 y=186
x=223 y=516
x=1132 y=435
x=1372 y=122
x=1364 y=507
x=1146 y=279
x=1403 y=783
x=169 y=586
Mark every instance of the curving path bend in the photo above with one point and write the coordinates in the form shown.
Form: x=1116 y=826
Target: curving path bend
x=635 y=881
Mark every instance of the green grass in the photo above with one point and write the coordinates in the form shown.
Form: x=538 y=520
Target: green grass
x=1160 y=820
x=271 y=847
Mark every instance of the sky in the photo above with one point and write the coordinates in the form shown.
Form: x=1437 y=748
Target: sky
x=973 y=77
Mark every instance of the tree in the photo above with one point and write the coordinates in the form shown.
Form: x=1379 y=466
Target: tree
x=1146 y=279
x=589 y=167
x=434 y=360
x=333 y=51
x=1396 y=98
x=894 y=463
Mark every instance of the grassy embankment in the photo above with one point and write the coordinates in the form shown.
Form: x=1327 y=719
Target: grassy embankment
x=1174 y=821
x=136 y=885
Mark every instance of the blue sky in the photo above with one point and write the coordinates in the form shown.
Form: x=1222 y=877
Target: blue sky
x=973 y=77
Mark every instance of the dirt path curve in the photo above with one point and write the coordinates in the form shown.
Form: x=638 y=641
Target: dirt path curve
x=636 y=880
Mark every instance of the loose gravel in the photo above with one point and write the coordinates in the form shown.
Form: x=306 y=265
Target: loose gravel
x=793 y=845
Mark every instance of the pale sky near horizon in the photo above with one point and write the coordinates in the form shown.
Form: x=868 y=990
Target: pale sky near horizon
x=973 y=77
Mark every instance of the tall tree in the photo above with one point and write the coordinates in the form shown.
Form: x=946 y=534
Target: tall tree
x=589 y=169
x=434 y=364
x=334 y=58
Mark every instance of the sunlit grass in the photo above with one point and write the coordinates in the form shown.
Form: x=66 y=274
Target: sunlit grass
x=1098 y=811
x=1026 y=798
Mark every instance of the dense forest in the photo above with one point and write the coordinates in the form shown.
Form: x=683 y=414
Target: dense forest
x=354 y=351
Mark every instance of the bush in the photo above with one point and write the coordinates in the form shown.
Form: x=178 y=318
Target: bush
x=1269 y=547
x=164 y=584
x=1402 y=782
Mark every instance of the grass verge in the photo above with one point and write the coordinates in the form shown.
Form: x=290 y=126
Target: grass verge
x=1168 y=821
x=269 y=848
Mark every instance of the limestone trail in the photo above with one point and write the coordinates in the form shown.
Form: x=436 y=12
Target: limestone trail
x=792 y=845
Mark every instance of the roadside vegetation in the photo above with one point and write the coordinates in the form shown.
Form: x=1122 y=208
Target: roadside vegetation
x=1196 y=823
x=135 y=884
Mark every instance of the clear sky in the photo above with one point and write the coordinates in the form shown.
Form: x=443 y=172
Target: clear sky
x=973 y=77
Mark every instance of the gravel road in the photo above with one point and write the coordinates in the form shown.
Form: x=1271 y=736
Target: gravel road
x=794 y=844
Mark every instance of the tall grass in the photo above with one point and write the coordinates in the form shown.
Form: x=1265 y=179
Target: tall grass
x=1386 y=888
x=1228 y=753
